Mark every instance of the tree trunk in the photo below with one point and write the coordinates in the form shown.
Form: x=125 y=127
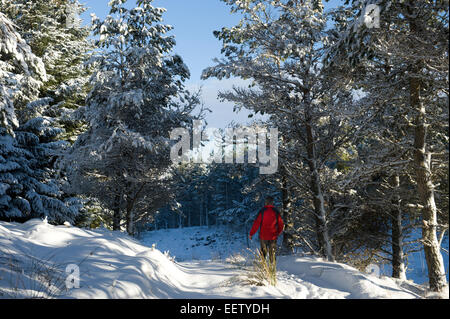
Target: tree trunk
x=206 y=209
x=116 y=212
x=201 y=214
x=288 y=241
x=422 y=162
x=398 y=265
x=318 y=199
x=422 y=168
x=189 y=214
x=130 y=220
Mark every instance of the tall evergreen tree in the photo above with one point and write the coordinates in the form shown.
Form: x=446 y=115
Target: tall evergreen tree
x=405 y=65
x=137 y=98
x=21 y=74
x=28 y=188
x=53 y=30
x=280 y=46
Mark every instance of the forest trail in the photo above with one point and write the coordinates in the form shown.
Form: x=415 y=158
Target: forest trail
x=297 y=278
x=113 y=265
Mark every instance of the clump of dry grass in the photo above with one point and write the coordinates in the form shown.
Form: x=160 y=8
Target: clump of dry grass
x=33 y=278
x=264 y=270
x=257 y=270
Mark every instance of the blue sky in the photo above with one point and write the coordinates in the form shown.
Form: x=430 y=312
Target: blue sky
x=194 y=22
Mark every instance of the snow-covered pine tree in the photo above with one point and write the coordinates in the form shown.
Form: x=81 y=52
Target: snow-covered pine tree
x=280 y=45
x=53 y=30
x=137 y=98
x=21 y=74
x=194 y=193
x=405 y=63
x=235 y=201
x=27 y=187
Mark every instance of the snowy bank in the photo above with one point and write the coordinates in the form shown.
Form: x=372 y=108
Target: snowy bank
x=111 y=264
x=34 y=256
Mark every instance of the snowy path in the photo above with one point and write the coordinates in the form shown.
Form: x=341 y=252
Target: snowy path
x=113 y=265
x=314 y=279
x=210 y=279
x=298 y=277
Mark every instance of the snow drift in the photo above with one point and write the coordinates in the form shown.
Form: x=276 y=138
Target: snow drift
x=113 y=265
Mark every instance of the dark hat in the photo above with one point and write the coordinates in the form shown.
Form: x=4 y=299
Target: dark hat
x=269 y=200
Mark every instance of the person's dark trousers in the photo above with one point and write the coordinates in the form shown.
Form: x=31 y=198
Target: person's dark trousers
x=270 y=247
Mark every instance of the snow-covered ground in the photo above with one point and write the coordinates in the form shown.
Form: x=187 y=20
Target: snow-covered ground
x=219 y=243
x=34 y=258
x=199 y=243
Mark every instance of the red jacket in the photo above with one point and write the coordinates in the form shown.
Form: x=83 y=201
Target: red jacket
x=268 y=226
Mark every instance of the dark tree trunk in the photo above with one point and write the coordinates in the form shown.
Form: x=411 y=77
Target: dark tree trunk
x=116 y=212
x=316 y=189
x=398 y=265
x=288 y=240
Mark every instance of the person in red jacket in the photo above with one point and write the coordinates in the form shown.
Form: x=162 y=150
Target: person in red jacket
x=271 y=225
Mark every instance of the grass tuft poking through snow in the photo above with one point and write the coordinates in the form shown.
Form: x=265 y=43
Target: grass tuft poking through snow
x=264 y=270
x=32 y=278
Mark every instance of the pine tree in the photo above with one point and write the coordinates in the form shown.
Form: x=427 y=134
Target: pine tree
x=137 y=98
x=280 y=45
x=53 y=30
x=27 y=187
x=405 y=62
x=21 y=74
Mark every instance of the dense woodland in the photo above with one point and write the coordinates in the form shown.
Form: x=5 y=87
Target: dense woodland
x=86 y=113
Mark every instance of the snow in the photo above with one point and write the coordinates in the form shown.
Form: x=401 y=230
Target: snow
x=114 y=265
x=196 y=243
